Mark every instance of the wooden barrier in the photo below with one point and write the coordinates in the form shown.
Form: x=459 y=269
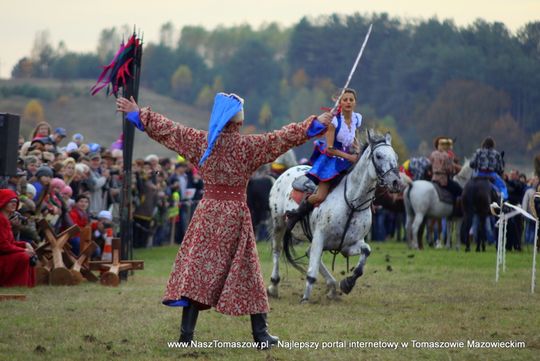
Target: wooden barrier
x=111 y=277
x=59 y=275
x=58 y=265
x=9 y=297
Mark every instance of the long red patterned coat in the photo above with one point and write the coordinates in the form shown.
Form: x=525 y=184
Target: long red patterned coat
x=217 y=263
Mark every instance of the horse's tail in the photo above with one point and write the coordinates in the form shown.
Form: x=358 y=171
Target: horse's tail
x=287 y=248
x=408 y=205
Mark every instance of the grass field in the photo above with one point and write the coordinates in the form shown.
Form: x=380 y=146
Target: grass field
x=429 y=296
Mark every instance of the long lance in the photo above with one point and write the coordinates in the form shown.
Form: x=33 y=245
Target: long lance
x=126 y=211
x=351 y=73
x=124 y=72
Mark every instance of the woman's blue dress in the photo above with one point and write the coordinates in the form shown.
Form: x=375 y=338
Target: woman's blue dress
x=326 y=167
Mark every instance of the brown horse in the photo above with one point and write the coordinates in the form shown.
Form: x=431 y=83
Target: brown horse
x=477 y=196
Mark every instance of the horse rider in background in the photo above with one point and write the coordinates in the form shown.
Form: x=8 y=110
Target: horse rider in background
x=487 y=162
x=417 y=168
x=443 y=167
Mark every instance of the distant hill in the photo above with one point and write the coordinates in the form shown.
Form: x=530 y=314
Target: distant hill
x=70 y=105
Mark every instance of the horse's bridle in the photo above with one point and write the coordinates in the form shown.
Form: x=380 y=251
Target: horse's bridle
x=380 y=180
x=380 y=174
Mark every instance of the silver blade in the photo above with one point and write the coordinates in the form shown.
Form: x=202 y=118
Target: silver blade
x=353 y=68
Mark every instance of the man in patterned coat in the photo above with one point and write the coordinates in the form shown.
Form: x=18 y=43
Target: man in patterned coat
x=217 y=264
x=443 y=167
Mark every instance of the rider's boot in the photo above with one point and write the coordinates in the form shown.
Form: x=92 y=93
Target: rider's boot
x=295 y=215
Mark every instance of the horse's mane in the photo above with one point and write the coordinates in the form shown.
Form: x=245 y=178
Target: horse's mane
x=376 y=137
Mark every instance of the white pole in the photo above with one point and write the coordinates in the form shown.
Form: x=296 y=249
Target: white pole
x=533 y=277
x=499 y=245
x=503 y=250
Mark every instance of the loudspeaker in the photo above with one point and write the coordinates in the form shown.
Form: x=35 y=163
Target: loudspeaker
x=9 y=143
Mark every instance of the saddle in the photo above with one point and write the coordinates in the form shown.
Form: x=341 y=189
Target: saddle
x=302 y=187
x=444 y=194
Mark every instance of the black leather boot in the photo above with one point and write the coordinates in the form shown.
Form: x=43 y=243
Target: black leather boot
x=259 y=329
x=295 y=215
x=189 y=320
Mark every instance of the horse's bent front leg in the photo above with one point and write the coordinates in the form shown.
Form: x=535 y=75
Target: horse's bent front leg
x=315 y=253
x=346 y=285
x=331 y=283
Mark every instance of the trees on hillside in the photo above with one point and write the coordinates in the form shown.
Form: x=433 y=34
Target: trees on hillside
x=468 y=111
x=413 y=71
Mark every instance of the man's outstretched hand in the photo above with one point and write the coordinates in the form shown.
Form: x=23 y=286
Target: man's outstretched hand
x=325 y=118
x=126 y=106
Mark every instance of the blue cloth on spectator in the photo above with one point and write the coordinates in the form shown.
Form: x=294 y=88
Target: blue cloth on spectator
x=498 y=182
x=39 y=189
x=135 y=119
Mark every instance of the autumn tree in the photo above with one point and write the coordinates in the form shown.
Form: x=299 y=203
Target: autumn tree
x=533 y=145
x=42 y=54
x=205 y=97
x=464 y=110
x=508 y=136
x=166 y=35
x=265 y=116
x=109 y=40
x=299 y=79
x=33 y=112
x=23 y=68
x=181 y=82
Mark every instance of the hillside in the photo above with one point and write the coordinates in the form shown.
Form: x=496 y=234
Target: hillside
x=73 y=108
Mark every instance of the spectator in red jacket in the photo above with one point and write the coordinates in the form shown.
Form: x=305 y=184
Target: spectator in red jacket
x=79 y=216
x=15 y=268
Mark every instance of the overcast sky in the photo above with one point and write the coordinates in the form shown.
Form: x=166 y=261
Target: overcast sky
x=78 y=23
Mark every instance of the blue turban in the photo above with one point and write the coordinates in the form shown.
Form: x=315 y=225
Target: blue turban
x=225 y=107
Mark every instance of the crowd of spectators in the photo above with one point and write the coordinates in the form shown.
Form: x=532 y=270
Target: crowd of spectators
x=73 y=181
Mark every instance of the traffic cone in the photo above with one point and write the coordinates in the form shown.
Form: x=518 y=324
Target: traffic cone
x=107 y=249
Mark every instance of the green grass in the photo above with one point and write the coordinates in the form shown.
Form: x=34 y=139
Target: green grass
x=433 y=295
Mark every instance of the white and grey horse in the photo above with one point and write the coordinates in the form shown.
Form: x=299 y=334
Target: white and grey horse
x=342 y=221
x=421 y=201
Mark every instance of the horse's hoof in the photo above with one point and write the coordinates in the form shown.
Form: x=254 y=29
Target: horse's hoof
x=332 y=294
x=272 y=292
x=345 y=286
x=304 y=301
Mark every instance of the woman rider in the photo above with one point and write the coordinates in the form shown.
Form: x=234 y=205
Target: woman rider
x=332 y=156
